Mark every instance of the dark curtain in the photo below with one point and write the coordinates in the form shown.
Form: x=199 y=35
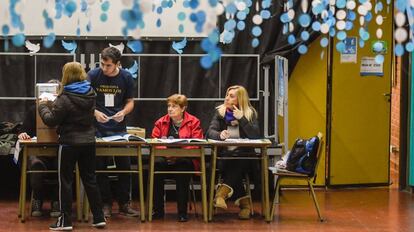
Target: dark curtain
x=159 y=75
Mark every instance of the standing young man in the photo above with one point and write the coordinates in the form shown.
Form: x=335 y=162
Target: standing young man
x=114 y=88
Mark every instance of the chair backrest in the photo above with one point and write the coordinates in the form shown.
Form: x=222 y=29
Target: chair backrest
x=319 y=155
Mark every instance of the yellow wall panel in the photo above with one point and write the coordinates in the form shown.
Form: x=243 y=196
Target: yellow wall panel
x=360 y=116
x=307 y=101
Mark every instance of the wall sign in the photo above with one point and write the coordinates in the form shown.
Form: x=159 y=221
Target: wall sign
x=371 y=68
x=349 y=54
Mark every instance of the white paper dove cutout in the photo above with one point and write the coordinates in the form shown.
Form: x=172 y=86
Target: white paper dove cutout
x=179 y=46
x=70 y=46
x=120 y=47
x=33 y=48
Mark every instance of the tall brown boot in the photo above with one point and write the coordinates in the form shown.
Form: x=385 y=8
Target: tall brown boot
x=223 y=192
x=244 y=205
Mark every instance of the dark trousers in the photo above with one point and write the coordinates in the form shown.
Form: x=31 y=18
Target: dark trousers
x=182 y=182
x=85 y=156
x=123 y=186
x=233 y=171
x=39 y=163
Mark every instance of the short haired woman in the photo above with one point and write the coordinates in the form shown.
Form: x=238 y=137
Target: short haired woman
x=177 y=123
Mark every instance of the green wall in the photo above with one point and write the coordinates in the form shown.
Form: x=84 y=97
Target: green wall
x=411 y=123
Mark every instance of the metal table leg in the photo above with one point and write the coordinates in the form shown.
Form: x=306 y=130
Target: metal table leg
x=203 y=185
x=212 y=182
x=141 y=185
x=151 y=184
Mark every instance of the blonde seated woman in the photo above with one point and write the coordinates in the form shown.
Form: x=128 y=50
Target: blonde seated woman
x=235 y=118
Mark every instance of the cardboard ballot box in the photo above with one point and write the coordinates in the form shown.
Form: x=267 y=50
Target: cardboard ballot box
x=137 y=131
x=44 y=133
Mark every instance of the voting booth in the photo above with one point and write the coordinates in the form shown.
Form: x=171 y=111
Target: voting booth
x=45 y=134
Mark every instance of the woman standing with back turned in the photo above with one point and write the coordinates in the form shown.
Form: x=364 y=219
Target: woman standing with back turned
x=73 y=114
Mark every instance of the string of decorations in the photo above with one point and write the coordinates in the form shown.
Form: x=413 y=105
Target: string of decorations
x=331 y=18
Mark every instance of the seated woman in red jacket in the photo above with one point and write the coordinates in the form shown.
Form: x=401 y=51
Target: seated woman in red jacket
x=177 y=123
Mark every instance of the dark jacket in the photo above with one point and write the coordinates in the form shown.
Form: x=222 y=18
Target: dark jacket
x=9 y=128
x=190 y=128
x=73 y=114
x=247 y=129
x=8 y=136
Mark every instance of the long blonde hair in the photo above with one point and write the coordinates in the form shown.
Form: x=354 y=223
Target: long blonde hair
x=72 y=72
x=244 y=103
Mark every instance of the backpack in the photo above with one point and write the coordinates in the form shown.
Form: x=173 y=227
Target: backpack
x=303 y=156
x=296 y=153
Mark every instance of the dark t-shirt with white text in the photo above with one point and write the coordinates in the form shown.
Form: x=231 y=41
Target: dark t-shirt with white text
x=118 y=89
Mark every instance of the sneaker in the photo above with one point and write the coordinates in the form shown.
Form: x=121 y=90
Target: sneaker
x=62 y=223
x=157 y=214
x=54 y=209
x=37 y=208
x=182 y=217
x=126 y=210
x=107 y=210
x=99 y=223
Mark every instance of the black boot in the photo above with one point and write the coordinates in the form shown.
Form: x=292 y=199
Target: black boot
x=182 y=209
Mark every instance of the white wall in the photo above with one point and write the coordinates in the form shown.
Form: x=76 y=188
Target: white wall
x=31 y=11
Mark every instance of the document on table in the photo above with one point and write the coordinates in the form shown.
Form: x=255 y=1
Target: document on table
x=237 y=141
x=122 y=137
x=181 y=140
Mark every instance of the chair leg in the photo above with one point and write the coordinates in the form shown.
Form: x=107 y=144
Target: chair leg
x=190 y=206
x=315 y=201
x=219 y=181
x=249 y=193
x=30 y=205
x=85 y=208
x=193 y=197
x=278 y=190
x=275 y=198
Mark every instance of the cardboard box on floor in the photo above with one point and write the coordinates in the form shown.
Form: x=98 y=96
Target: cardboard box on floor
x=44 y=133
